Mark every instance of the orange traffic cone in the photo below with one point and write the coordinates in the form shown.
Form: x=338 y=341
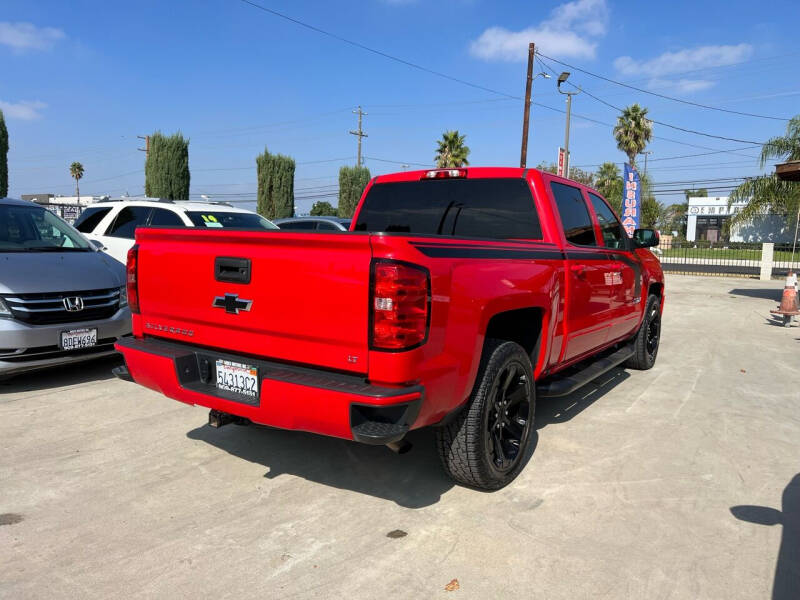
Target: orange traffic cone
x=788 y=307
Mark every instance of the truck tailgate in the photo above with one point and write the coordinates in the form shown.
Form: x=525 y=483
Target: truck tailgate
x=308 y=293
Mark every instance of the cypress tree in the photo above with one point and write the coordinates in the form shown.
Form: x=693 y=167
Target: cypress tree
x=3 y=157
x=166 y=171
x=275 y=185
x=352 y=181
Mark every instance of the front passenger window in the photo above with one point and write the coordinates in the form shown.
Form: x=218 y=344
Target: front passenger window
x=575 y=218
x=613 y=234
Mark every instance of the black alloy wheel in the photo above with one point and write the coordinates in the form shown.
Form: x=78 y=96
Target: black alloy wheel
x=508 y=418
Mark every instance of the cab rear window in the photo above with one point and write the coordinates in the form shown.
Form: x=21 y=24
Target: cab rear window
x=486 y=208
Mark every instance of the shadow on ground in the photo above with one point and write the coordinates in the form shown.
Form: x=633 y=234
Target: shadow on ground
x=786 y=584
x=77 y=373
x=412 y=480
x=761 y=293
x=560 y=410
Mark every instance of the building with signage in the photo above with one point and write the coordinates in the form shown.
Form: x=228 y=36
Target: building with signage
x=68 y=208
x=706 y=218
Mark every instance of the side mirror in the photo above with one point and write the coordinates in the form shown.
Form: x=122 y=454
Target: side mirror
x=645 y=238
x=97 y=244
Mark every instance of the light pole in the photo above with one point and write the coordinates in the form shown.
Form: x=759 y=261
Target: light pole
x=561 y=79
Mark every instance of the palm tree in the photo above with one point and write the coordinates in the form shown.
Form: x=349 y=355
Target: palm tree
x=767 y=193
x=451 y=151
x=76 y=170
x=608 y=181
x=633 y=131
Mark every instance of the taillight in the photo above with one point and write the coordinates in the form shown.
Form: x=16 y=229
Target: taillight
x=400 y=305
x=445 y=174
x=132 y=283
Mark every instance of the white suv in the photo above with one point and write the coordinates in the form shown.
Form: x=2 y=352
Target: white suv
x=114 y=222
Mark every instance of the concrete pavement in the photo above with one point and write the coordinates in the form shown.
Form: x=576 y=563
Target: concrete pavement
x=658 y=484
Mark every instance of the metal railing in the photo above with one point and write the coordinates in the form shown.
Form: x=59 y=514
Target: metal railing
x=732 y=259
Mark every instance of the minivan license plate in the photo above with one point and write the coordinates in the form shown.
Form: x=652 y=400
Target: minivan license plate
x=75 y=339
x=238 y=378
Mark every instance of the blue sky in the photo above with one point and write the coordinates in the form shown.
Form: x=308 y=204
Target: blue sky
x=81 y=80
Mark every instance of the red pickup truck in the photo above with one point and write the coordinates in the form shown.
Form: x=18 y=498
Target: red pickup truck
x=456 y=299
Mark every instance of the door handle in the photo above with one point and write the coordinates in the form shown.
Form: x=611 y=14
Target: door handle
x=579 y=270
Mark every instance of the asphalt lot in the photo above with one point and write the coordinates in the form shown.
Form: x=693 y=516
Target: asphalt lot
x=110 y=490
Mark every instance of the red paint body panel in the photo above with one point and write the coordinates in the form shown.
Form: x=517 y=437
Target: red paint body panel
x=310 y=307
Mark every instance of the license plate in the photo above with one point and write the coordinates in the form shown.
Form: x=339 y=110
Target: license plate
x=237 y=378
x=75 y=339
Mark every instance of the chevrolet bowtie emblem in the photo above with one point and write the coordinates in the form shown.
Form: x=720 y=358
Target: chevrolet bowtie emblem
x=231 y=303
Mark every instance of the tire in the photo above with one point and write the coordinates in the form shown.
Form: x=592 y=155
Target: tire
x=486 y=445
x=647 y=338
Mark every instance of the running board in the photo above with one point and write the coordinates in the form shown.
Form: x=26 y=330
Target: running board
x=561 y=386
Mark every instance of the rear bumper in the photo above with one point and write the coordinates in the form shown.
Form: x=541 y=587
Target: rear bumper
x=290 y=397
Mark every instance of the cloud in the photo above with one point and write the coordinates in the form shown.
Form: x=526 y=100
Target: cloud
x=26 y=110
x=681 y=61
x=658 y=69
x=26 y=36
x=570 y=31
x=686 y=86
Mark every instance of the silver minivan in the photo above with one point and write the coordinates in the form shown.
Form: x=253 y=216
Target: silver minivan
x=62 y=300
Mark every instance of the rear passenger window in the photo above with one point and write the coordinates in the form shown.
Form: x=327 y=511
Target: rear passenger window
x=613 y=234
x=483 y=208
x=90 y=218
x=165 y=218
x=128 y=219
x=327 y=225
x=575 y=218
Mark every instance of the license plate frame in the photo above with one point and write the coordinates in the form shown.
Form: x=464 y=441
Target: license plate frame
x=238 y=380
x=80 y=339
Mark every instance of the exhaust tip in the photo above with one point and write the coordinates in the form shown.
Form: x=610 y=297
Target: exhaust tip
x=400 y=446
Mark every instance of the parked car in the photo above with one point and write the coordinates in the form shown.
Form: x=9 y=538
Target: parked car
x=114 y=222
x=460 y=296
x=61 y=299
x=314 y=223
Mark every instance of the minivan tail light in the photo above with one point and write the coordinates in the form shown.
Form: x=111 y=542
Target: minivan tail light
x=445 y=174
x=399 y=305
x=132 y=271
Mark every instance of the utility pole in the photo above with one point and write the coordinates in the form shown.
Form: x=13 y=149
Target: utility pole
x=646 y=154
x=360 y=132
x=146 y=148
x=523 y=156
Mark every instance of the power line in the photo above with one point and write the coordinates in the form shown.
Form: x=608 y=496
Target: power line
x=644 y=91
x=678 y=128
x=377 y=52
x=655 y=137
x=681 y=156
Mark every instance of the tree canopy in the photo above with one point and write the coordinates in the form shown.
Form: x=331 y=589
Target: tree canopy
x=322 y=208
x=767 y=193
x=633 y=132
x=275 y=194
x=166 y=170
x=451 y=151
x=352 y=181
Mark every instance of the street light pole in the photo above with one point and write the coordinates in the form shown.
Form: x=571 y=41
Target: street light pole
x=561 y=79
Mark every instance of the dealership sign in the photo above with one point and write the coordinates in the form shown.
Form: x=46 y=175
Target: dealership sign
x=561 y=160
x=631 y=204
